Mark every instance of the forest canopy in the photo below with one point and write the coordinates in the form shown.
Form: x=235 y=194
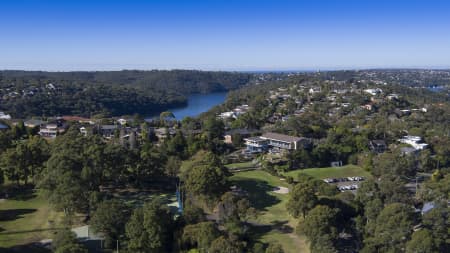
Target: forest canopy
x=36 y=93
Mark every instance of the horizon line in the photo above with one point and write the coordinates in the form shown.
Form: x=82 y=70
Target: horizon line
x=244 y=70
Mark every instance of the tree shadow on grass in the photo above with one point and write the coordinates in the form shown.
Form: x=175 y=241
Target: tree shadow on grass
x=27 y=248
x=14 y=214
x=257 y=231
x=29 y=231
x=258 y=193
x=282 y=227
x=23 y=193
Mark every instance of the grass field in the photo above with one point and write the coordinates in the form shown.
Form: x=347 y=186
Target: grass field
x=273 y=224
x=25 y=219
x=331 y=172
x=239 y=165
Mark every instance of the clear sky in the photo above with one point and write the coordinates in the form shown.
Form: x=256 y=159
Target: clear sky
x=223 y=34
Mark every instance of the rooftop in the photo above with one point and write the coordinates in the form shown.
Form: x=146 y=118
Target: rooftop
x=281 y=137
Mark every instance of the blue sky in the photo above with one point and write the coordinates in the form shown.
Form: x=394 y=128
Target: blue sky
x=223 y=34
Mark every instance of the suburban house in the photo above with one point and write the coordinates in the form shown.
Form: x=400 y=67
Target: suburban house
x=241 y=109
x=122 y=121
x=256 y=144
x=52 y=129
x=84 y=131
x=285 y=141
x=108 y=131
x=314 y=90
x=377 y=146
x=373 y=92
x=275 y=140
x=78 y=119
x=5 y=116
x=32 y=123
x=413 y=141
x=163 y=132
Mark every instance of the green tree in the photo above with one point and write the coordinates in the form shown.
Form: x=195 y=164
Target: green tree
x=437 y=221
x=2 y=177
x=149 y=228
x=225 y=245
x=109 y=218
x=177 y=145
x=301 y=199
x=274 y=248
x=320 y=226
x=393 y=228
x=39 y=152
x=213 y=128
x=421 y=242
x=200 y=235
x=233 y=207
x=395 y=164
x=205 y=176
x=258 y=248
x=65 y=241
x=62 y=183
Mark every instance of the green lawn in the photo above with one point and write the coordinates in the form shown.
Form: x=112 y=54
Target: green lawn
x=273 y=224
x=239 y=165
x=331 y=172
x=25 y=220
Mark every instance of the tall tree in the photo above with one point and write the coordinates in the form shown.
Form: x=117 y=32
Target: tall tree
x=200 y=235
x=301 y=199
x=150 y=228
x=65 y=241
x=392 y=230
x=320 y=226
x=421 y=242
x=109 y=218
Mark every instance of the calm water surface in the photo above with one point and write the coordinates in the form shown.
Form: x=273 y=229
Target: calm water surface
x=197 y=104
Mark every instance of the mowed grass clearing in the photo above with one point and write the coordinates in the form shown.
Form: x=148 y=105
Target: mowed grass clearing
x=273 y=224
x=26 y=220
x=240 y=165
x=331 y=172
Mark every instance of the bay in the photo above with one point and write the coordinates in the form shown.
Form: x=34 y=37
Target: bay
x=197 y=104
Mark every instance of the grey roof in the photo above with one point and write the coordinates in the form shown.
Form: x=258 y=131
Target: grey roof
x=255 y=138
x=241 y=131
x=379 y=142
x=281 y=137
x=109 y=127
x=34 y=122
x=427 y=207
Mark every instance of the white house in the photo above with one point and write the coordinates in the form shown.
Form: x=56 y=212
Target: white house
x=413 y=141
x=5 y=116
x=374 y=92
x=122 y=121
